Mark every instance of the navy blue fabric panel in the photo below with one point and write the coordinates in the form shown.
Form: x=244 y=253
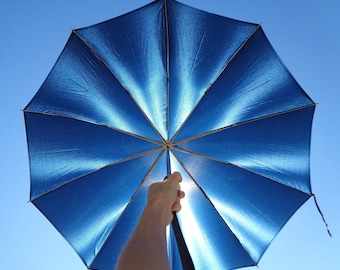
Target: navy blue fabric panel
x=276 y=147
x=86 y=210
x=62 y=149
x=253 y=207
x=254 y=84
x=134 y=48
x=200 y=45
x=82 y=87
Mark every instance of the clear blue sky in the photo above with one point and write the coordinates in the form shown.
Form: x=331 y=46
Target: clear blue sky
x=305 y=34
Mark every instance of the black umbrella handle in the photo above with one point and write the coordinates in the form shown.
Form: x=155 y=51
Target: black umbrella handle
x=186 y=259
x=184 y=253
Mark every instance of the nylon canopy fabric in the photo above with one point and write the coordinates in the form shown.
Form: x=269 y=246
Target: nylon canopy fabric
x=169 y=88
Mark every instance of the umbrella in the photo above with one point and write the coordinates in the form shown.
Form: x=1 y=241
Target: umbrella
x=170 y=88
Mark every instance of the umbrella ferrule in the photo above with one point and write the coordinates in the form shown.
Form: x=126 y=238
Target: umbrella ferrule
x=167 y=145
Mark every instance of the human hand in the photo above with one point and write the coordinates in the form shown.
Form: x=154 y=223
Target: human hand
x=164 y=197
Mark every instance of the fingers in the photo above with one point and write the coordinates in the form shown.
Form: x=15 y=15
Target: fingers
x=180 y=194
x=176 y=207
x=174 y=182
x=174 y=179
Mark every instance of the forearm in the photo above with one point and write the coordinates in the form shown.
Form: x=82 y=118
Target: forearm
x=147 y=248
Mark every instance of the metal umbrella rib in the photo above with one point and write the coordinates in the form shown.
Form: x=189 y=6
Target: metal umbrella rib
x=79 y=178
x=96 y=123
x=232 y=164
x=240 y=123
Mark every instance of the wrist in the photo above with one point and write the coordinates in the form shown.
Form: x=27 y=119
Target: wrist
x=159 y=215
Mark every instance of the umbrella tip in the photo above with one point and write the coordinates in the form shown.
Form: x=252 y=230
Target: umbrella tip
x=322 y=216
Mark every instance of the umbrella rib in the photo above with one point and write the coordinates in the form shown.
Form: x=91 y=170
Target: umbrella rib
x=211 y=203
x=95 y=123
x=167 y=40
x=122 y=85
x=99 y=169
x=235 y=165
x=211 y=84
x=243 y=123
x=131 y=200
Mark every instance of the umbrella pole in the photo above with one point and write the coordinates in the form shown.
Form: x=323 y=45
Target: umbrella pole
x=182 y=247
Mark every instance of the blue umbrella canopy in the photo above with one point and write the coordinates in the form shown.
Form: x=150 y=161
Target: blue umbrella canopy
x=170 y=88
